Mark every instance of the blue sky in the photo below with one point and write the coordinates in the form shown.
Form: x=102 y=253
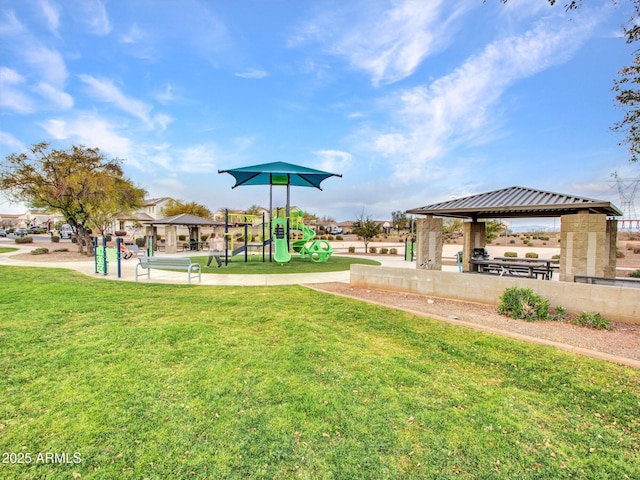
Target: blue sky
x=413 y=102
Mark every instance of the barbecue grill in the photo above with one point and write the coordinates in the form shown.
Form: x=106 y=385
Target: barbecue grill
x=480 y=254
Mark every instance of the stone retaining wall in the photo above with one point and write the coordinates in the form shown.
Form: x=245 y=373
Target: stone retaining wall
x=621 y=304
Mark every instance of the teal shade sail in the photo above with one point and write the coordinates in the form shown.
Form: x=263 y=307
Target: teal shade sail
x=279 y=173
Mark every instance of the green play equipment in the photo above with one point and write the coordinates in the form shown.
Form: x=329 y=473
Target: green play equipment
x=279 y=234
x=316 y=250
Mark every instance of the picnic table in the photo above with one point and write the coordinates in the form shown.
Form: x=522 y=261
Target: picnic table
x=522 y=267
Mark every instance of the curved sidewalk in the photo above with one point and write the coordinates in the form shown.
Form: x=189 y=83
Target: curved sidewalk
x=210 y=276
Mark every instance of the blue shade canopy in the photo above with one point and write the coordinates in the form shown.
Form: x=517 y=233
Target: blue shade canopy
x=279 y=173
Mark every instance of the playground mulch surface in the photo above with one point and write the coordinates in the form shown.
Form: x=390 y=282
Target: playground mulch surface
x=620 y=340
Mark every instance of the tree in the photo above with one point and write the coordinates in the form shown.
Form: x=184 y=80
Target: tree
x=80 y=183
x=178 y=207
x=493 y=228
x=366 y=228
x=399 y=219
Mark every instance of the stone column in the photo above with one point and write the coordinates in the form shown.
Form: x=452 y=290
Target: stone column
x=170 y=241
x=474 y=236
x=429 y=243
x=587 y=246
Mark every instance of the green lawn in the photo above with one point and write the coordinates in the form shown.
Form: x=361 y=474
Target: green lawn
x=7 y=249
x=177 y=381
x=255 y=265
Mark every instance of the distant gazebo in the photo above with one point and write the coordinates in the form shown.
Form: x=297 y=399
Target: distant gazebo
x=192 y=222
x=588 y=231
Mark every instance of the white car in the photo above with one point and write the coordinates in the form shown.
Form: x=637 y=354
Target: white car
x=66 y=231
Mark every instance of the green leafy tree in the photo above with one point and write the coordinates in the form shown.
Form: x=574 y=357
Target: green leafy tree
x=399 y=219
x=80 y=183
x=178 y=207
x=452 y=225
x=493 y=228
x=366 y=228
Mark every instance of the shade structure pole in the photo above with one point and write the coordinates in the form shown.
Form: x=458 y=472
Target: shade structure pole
x=270 y=222
x=288 y=212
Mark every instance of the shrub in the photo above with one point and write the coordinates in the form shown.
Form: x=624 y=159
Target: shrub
x=339 y=238
x=531 y=255
x=522 y=303
x=373 y=250
x=40 y=251
x=24 y=240
x=384 y=250
x=635 y=274
x=61 y=250
x=141 y=241
x=394 y=251
x=181 y=238
x=511 y=254
x=352 y=249
x=512 y=241
x=55 y=238
x=636 y=249
x=556 y=257
x=592 y=320
x=330 y=238
x=620 y=254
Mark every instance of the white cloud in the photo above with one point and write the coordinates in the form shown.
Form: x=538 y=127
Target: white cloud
x=334 y=161
x=12 y=97
x=198 y=159
x=58 y=98
x=94 y=14
x=106 y=91
x=49 y=64
x=254 y=74
x=89 y=129
x=389 y=44
x=458 y=108
x=8 y=140
x=51 y=13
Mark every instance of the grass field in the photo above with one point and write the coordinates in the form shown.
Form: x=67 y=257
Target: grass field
x=174 y=381
x=255 y=265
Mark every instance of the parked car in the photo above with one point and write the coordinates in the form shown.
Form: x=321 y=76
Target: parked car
x=36 y=229
x=3 y=232
x=20 y=232
x=336 y=231
x=66 y=231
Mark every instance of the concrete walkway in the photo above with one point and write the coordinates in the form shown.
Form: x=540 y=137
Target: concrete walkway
x=210 y=276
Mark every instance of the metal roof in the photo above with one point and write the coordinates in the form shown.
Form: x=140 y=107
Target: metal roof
x=516 y=202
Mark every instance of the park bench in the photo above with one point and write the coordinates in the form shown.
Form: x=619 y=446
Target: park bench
x=165 y=263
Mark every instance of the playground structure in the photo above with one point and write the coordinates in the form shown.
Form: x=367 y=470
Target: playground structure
x=244 y=232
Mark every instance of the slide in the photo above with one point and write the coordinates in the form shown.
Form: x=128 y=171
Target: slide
x=307 y=236
x=279 y=232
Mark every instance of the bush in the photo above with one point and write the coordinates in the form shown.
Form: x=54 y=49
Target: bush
x=181 y=238
x=352 y=249
x=393 y=251
x=55 y=238
x=635 y=274
x=555 y=257
x=339 y=238
x=24 y=240
x=512 y=241
x=373 y=250
x=330 y=238
x=620 y=254
x=511 y=254
x=384 y=250
x=531 y=255
x=592 y=320
x=522 y=303
x=61 y=250
x=141 y=241
x=40 y=251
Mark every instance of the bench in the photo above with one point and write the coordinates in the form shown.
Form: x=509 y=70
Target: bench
x=164 y=263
